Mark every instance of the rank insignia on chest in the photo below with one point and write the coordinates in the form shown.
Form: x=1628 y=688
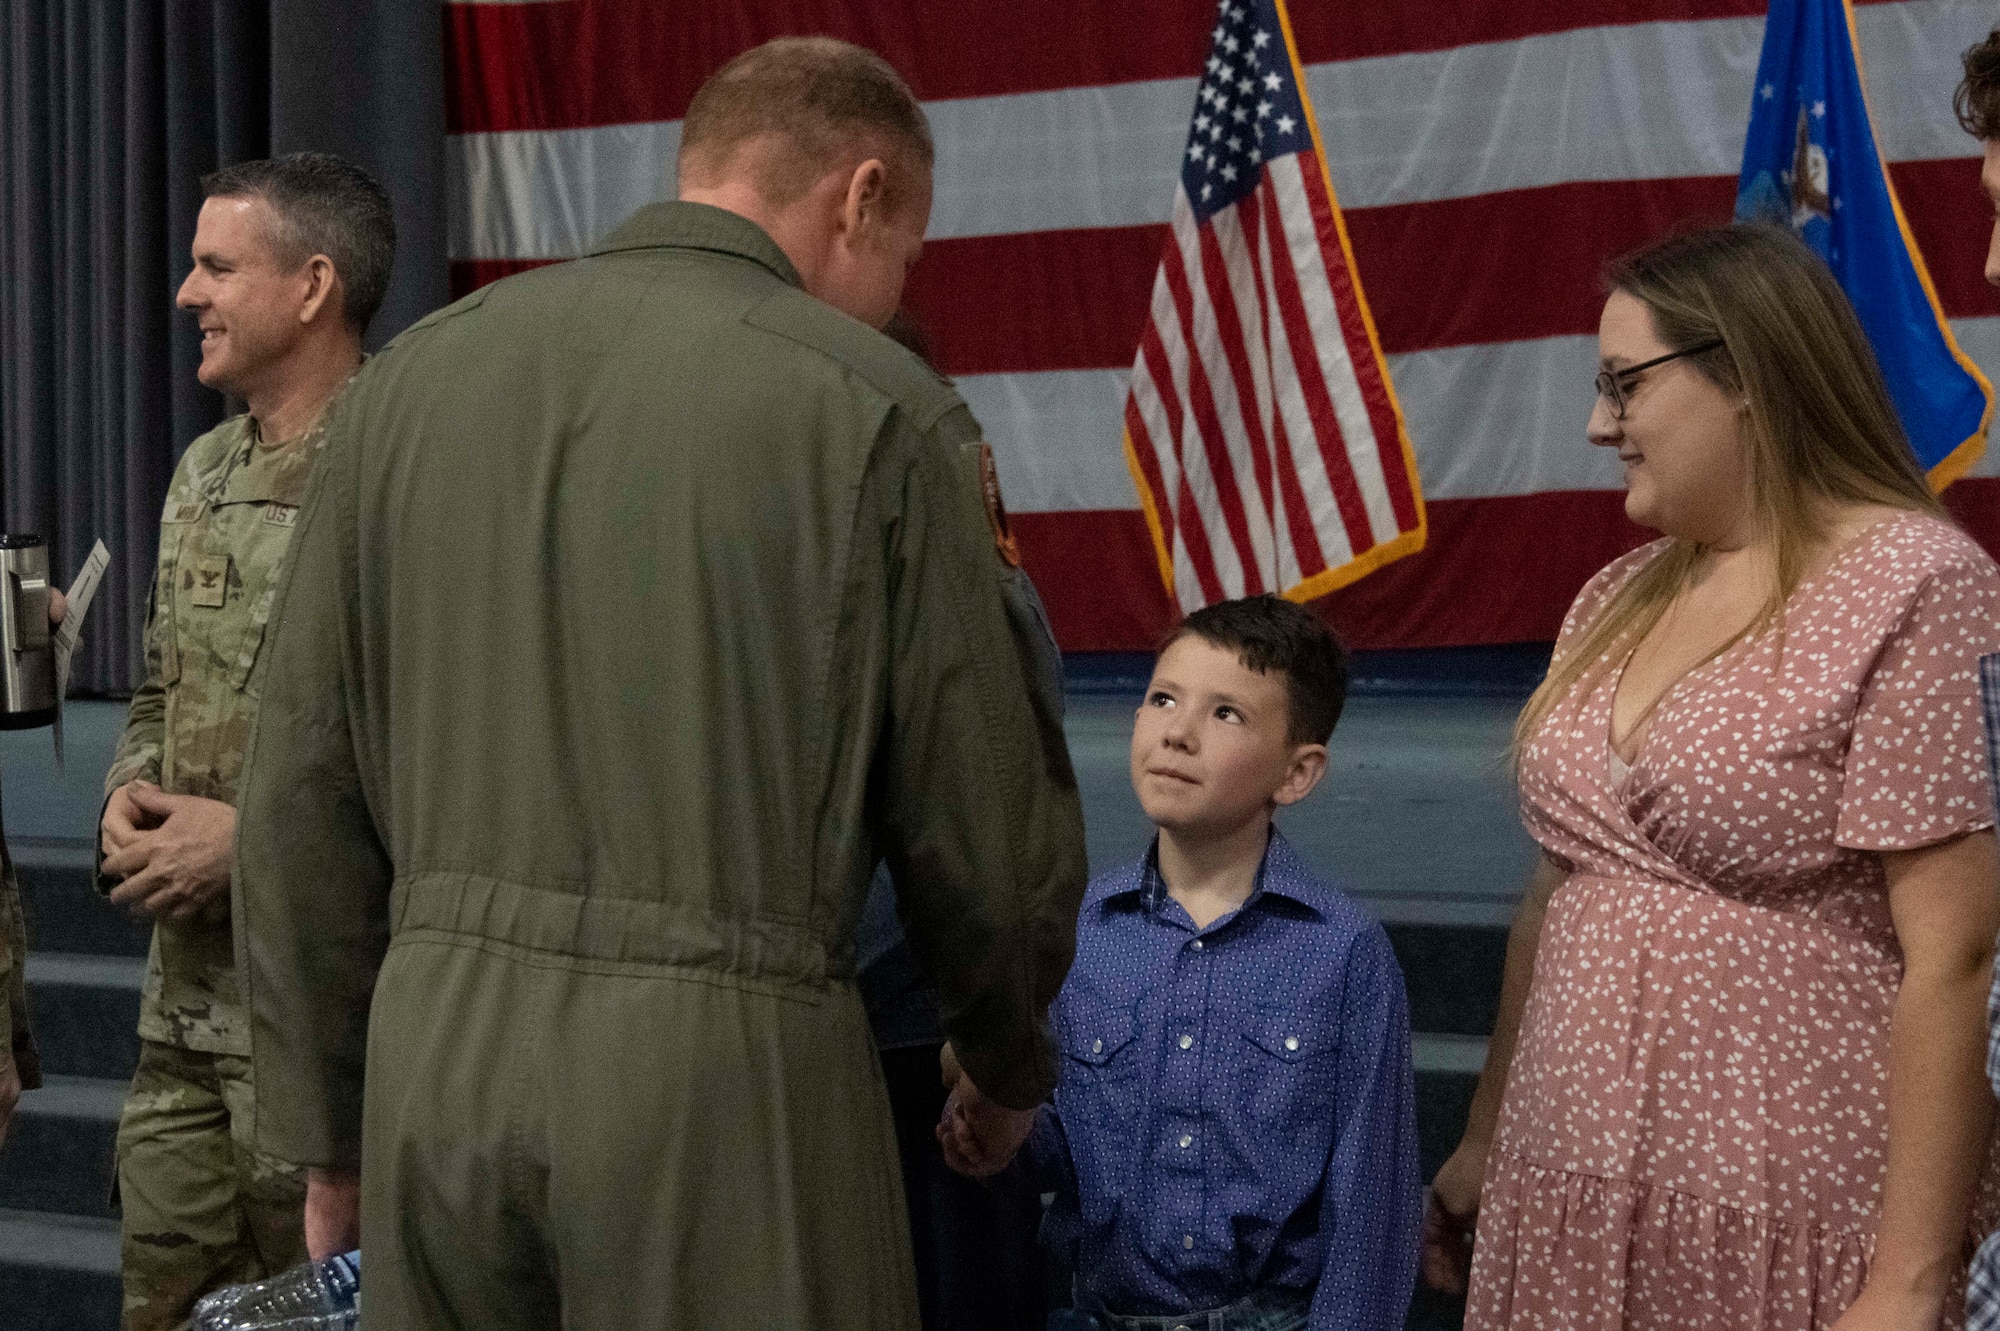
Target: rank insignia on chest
x=281 y=515
x=210 y=581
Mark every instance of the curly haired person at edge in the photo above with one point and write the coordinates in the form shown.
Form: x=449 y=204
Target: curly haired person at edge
x=1737 y=1064
x=1978 y=106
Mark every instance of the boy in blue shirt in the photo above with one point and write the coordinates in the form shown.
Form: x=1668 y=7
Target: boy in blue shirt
x=1233 y=1140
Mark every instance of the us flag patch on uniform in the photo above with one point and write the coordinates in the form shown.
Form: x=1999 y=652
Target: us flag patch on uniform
x=996 y=508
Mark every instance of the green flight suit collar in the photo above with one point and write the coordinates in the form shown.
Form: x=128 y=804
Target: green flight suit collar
x=699 y=226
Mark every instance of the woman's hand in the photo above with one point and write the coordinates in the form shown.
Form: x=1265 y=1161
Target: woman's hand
x=1451 y=1208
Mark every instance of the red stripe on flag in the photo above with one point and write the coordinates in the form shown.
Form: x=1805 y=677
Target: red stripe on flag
x=1121 y=606
x=1952 y=222
x=1488 y=574
x=1221 y=471
x=1327 y=439
x=1501 y=267
x=1037 y=300
x=611 y=62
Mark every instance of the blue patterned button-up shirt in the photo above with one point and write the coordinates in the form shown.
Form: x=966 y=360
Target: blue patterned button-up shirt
x=1982 y=1290
x=1236 y=1108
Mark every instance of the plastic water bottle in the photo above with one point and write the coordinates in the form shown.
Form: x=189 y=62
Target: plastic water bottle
x=319 y=1296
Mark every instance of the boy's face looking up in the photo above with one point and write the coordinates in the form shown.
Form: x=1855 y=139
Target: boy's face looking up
x=1211 y=750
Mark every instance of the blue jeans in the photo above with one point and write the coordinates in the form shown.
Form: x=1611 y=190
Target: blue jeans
x=1266 y=1310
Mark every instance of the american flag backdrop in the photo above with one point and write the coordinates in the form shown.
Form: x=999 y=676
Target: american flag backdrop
x=1262 y=428
x=1488 y=157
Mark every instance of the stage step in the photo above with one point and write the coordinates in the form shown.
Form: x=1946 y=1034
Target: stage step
x=58 y=1273
x=60 y=1147
x=64 y=911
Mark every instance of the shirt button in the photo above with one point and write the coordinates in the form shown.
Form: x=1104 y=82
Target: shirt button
x=1197 y=945
x=1187 y=1140
x=1187 y=1241
x=1097 y=1046
x=1292 y=1043
x=1187 y=1042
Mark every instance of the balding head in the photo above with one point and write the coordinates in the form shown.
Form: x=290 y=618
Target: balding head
x=786 y=113
x=823 y=145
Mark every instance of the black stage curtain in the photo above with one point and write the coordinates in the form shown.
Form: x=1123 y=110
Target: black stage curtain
x=111 y=111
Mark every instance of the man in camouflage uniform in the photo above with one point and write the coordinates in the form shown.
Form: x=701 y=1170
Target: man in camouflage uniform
x=291 y=258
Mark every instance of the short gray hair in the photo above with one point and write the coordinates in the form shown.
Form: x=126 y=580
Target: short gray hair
x=324 y=205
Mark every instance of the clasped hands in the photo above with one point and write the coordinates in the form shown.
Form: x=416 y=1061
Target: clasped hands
x=173 y=853
x=979 y=1135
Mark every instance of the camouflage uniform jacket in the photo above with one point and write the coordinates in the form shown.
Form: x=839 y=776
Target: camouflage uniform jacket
x=224 y=535
x=16 y=1040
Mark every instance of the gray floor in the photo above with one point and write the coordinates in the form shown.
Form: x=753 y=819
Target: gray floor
x=1416 y=816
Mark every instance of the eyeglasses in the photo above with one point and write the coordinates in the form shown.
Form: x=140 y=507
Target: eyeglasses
x=1612 y=384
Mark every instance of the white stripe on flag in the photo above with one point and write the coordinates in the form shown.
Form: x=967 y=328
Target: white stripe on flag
x=1496 y=418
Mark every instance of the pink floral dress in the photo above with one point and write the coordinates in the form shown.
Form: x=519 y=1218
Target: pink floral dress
x=1695 y=1127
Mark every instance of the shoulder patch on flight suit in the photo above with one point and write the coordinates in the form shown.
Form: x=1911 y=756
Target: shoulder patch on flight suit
x=211 y=581
x=996 y=508
x=187 y=510
x=281 y=515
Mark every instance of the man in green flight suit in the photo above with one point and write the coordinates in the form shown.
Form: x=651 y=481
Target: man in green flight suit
x=291 y=258
x=641 y=602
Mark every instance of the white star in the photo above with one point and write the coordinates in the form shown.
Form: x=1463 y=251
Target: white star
x=1246 y=87
x=1262 y=39
x=1819 y=109
x=1211 y=161
x=1767 y=92
x=1214 y=63
x=1206 y=190
x=1217 y=35
x=1235 y=144
x=1231 y=45
x=1264 y=109
x=1229 y=173
x=1838 y=203
x=1194 y=152
x=1238 y=114
x=1235 y=15
x=1285 y=124
x=1202 y=122
x=1273 y=82
x=1215 y=132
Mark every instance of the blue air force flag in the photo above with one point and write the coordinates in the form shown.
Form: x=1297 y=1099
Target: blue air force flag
x=1810 y=163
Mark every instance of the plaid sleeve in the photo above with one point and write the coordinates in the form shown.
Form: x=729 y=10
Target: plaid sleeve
x=1982 y=1288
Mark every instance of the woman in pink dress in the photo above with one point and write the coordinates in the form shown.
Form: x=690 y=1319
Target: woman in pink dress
x=1737 y=1077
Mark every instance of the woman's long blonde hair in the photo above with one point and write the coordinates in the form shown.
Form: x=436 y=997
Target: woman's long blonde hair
x=1819 y=424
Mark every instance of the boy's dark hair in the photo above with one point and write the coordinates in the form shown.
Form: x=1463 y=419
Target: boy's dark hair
x=1977 y=100
x=324 y=205
x=1269 y=633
